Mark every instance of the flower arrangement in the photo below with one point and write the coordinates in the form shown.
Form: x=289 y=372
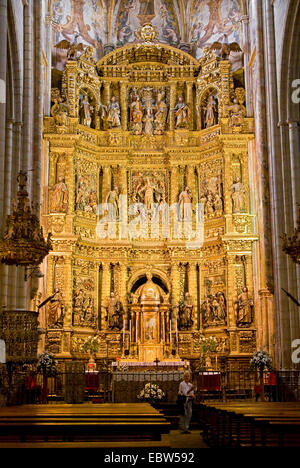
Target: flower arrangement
x=151 y=392
x=91 y=345
x=47 y=365
x=208 y=345
x=261 y=360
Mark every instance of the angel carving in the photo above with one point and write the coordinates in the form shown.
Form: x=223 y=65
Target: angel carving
x=224 y=49
x=72 y=47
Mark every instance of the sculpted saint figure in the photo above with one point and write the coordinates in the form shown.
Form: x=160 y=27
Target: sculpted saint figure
x=182 y=113
x=85 y=109
x=56 y=310
x=136 y=116
x=211 y=110
x=238 y=196
x=160 y=115
x=112 y=200
x=185 y=202
x=148 y=190
x=244 y=308
x=186 y=312
x=237 y=112
x=59 y=197
x=148 y=122
x=113 y=113
x=114 y=312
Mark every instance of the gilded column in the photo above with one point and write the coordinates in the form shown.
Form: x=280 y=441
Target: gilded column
x=123 y=203
x=172 y=104
x=175 y=280
x=68 y=290
x=192 y=275
x=231 y=291
x=106 y=182
x=124 y=105
x=106 y=271
x=190 y=103
x=174 y=199
x=106 y=92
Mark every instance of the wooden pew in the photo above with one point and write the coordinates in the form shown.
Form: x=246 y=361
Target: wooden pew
x=82 y=423
x=249 y=424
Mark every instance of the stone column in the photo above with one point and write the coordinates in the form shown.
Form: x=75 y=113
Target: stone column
x=7 y=201
x=3 y=64
x=294 y=140
x=246 y=49
x=124 y=105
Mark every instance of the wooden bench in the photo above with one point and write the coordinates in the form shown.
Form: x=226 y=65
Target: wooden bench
x=249 y=424
x=82 y=423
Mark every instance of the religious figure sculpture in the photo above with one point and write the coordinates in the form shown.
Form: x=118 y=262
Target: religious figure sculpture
x=182 y=113
x=238 y=196
x=112 y=201
x=59 y=110
x=160 y=115
x=211 y=112
x=237 y=113
x=113 y=308
x=59 y=197
x=136 y=116
x=77 y=306
x=113 y=113
x=56 y=310
x=244 y=308
x=148 y=122
x=186 y=312
x=185 y=203
x=148 y=190
x=85 y=112
x=214 y=309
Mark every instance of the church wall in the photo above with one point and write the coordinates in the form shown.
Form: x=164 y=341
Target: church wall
x=22 y=127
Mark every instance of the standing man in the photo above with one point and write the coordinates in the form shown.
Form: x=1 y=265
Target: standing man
x=186 y=389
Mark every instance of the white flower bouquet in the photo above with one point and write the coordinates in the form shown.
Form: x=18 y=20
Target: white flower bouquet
x=151 y=392
x=47 y=364
x=261 y=360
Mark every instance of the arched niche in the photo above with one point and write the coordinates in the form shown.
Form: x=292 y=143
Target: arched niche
x=209 y=107
x=87 y=93
x=140 y=277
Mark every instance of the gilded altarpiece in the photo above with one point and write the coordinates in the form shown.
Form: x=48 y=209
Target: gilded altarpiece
x=148 y=148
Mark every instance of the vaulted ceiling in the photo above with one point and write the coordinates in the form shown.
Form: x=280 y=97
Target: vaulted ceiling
x=102 y=22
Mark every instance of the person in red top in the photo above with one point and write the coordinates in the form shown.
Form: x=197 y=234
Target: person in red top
x=272 y=385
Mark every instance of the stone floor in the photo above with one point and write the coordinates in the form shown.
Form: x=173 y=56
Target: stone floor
x=179 y=440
